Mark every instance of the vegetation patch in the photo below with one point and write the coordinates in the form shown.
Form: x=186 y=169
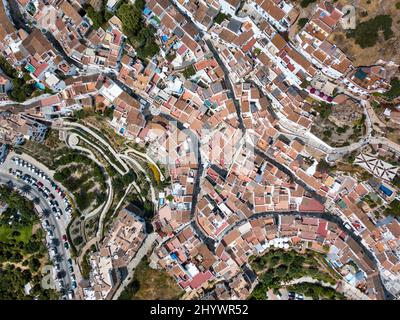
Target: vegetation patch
x=317 y=291
x=366 y=33
x=99 y=17
x=306 y=3
x=21 y=234
x=23 y=86
x=278 y=267
x=85 y=266
x=393 y=209
x=371 y=202
x=332 y=123
x=150 y=284
x=394 y=91
x=140 y=36
x=47 y=152
x=83 y=177
x=23 y=253
x=302 y=22
x=189 y=72
x=221 y=17
x=18 y=212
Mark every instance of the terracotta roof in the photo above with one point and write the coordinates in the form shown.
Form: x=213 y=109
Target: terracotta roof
x=273 y=10
x=278 y=41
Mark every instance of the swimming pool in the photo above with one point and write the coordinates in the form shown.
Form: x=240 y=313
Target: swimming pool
x=386 y=190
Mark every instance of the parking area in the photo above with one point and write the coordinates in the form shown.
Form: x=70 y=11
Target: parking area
x=39 y=180
x=54 y=209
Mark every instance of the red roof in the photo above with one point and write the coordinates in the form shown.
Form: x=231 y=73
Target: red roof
x=249 y=45
x=49 y=101
x=290 y=67
x=182 y=49
x=311 y=205
x=322 y=231
x=200 y=278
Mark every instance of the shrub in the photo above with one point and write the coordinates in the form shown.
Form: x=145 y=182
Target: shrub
x=366 y=33
x=302 y=22
x=221 y=17
x=394 y=91
x=306 y=3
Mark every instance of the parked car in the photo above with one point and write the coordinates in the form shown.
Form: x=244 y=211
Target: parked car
x=299 y=296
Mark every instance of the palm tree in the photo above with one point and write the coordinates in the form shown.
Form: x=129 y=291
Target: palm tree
x=46 y=213
x=10 y=184
x=26 y=189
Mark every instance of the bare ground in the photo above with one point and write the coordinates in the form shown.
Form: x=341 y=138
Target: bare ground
x=388 y=50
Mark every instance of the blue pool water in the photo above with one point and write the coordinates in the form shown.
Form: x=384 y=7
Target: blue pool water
x=386 y=190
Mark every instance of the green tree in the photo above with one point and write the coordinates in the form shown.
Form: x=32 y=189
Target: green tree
x=131 y=19
x=34 y=264
x=78 y=240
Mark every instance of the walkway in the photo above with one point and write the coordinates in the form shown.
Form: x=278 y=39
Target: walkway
x=144 y=249
x=309 y=279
